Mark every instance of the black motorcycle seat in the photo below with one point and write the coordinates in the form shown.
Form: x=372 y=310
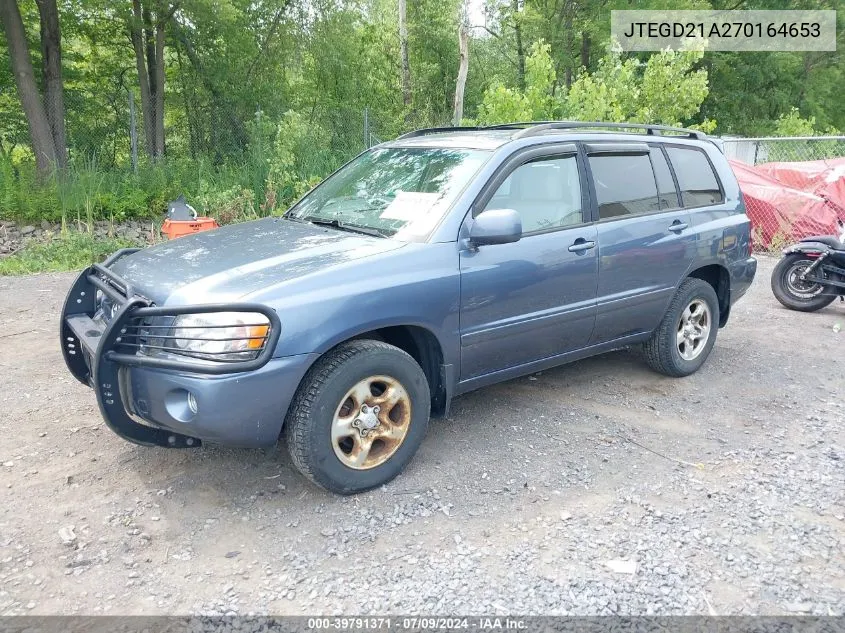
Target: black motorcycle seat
x=827 y=240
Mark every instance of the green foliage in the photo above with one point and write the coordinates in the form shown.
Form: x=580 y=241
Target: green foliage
x=665 y=89
x=793 y=124
x=503 y=104
x=236 y=204
x=88 y=192
x=540 y=80
x=537 y=103
x=67 y=251
x=610 y=94
x=299 y=159
x=264 y=98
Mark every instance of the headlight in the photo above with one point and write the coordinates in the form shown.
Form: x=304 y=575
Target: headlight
x=220 y=336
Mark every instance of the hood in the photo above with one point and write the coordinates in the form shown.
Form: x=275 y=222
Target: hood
x=231 y=262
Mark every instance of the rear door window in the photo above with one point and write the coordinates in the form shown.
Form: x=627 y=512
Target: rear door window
x=696 y=178
x=624 y=185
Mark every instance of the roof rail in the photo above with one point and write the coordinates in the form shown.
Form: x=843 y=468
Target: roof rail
x=435 y=130
x=539 y=127
x=535 y=128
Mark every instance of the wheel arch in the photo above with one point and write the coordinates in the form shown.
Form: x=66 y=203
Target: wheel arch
x=720 y=279
x=423 y=345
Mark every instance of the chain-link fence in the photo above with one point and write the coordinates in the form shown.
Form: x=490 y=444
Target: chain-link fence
x=235 y=159
x=109 y=128
x=793 y=186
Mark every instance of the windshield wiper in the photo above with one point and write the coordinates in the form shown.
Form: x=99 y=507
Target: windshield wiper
x=346 y=226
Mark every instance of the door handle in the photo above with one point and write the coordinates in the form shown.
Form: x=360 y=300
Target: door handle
x=581 y=245
x=677 y=226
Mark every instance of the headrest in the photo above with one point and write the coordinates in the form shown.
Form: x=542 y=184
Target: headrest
x=539 y=181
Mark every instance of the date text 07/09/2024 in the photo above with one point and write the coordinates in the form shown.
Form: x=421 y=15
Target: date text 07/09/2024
x=416 y=623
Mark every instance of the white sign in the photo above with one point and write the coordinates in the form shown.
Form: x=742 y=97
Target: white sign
x=409 y=206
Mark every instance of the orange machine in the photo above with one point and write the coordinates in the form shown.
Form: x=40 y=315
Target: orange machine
x=182 y=220
x=178 y=228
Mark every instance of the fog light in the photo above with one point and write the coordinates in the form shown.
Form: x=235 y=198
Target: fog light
x=181 y=404
x=192 y=403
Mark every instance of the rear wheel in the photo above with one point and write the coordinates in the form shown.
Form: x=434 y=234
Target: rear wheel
x=358 y=417
x=795 y=293
x=687 y=333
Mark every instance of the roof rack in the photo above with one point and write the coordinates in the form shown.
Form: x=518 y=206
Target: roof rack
x=539 y=127
x=436 y=130
x=535 y=128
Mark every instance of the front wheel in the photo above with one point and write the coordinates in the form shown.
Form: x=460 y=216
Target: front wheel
x=358 y=417
x=795 y=293
x=687 y=333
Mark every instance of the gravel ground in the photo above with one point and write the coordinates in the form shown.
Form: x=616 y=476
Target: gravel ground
x=596 y=488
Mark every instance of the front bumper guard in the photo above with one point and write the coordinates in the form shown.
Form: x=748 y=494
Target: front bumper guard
x=94 y=352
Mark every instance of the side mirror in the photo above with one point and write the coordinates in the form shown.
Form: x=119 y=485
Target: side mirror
x=496 y=226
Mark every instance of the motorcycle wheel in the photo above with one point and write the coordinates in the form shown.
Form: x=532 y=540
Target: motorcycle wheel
x=792 y=292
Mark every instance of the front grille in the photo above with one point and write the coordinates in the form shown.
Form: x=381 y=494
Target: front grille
x=150 y=333
x=139 y=333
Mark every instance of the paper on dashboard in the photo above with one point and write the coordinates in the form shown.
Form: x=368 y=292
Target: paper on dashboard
x=409 y=206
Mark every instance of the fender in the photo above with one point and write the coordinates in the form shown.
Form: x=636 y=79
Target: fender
x=810 y=248
x=831 y=257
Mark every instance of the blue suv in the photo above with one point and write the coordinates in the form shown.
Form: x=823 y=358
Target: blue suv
x=444 y=261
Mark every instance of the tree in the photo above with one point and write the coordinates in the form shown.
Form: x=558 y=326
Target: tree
x=535 y=103
x=403 y=52
x=520 y=48
x=43 y=145
x=146 y=30
x=463 y=68
x=665 y=89
x=793 y=124
x=51 y=64
x=235 y=68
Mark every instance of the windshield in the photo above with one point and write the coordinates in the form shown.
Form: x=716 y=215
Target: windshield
x=395 y=192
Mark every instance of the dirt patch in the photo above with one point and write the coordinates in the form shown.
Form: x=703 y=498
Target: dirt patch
x=727 y=489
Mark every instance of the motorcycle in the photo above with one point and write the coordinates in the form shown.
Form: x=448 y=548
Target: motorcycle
x=811 y=273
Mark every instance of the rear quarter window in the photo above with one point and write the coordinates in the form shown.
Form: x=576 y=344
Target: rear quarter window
x=696 y=179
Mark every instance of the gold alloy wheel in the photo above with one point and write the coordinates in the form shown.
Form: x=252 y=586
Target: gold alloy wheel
x=371 y=422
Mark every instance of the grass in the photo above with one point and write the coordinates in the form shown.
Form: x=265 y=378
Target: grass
x=67 y=251
x=91 y=192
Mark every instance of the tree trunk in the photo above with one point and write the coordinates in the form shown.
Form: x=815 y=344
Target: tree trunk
x=463 y=47
x=136 y=34
x=154 y=46
x=51 y=52
x=36 y=117
x=520 y=47
x=159 y=91
x=188 y=97
x=406 y=67
x=585 y=50
x=569 y=40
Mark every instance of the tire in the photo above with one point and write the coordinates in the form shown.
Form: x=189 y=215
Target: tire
x=783 y=291
x=357 y=375
x=663 y=351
